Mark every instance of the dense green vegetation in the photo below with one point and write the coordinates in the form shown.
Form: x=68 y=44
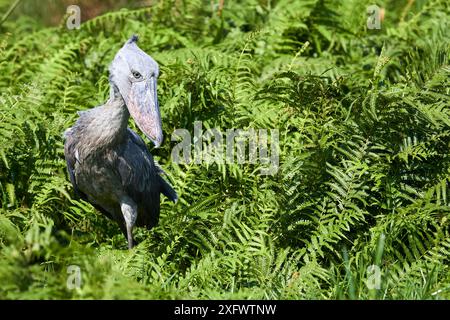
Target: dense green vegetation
x=364 y=123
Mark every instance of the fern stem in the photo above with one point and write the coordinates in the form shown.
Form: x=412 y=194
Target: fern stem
x=9 y=12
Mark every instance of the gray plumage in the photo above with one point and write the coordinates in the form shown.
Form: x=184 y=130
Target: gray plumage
x=109 y=165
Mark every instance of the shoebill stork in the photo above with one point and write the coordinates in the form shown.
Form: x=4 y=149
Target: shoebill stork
x=109 y=165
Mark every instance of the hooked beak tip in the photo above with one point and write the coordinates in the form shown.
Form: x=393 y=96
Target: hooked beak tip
x=157 y=141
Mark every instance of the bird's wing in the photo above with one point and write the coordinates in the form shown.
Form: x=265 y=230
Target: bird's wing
x=141 y=180
x=71 y=155
x=165 y=188
x=70 y=145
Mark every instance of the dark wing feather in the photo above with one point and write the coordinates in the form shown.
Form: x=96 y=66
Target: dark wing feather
x=141 y=180
x=70 y=145
x=165 y=188
x=70 y=154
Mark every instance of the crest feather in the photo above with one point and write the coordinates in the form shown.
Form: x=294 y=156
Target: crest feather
x=134 y=38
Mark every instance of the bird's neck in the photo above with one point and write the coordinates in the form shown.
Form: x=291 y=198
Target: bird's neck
x=109 y=126
x=115 y=120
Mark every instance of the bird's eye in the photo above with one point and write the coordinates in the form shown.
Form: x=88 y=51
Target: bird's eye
x=137 y=75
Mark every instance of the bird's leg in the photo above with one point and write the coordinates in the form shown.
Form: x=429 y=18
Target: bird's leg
x=129 y=211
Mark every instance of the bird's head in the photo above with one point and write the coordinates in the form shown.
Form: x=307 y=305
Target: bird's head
x=133 y=75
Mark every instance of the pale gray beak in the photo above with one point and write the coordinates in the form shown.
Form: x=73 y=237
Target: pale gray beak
x=142 y=103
